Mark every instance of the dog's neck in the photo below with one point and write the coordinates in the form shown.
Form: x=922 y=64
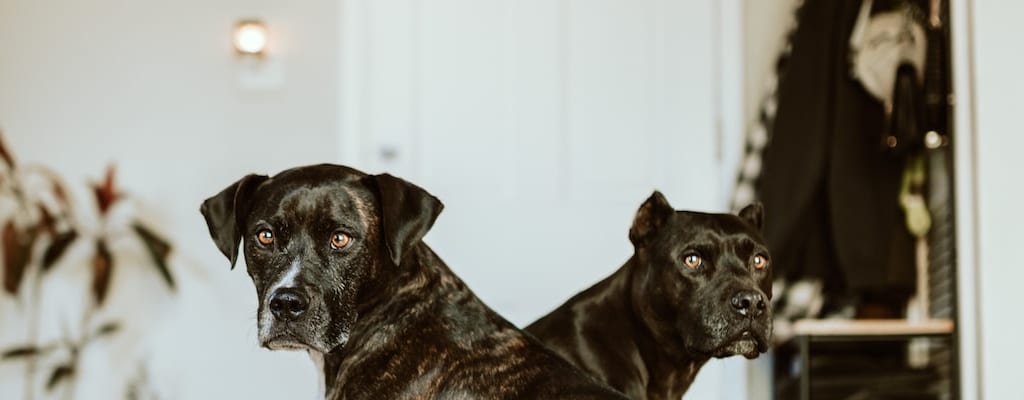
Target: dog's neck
x=383 y=299
x=422 y=271
x=327 y=367
x=669 y=368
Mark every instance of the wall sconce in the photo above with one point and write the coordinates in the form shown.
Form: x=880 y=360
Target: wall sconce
x=250 y=37
x=255 y=69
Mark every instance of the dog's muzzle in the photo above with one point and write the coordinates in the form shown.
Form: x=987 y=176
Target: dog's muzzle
x=753 y=330
x=285 y=322
x=288 y=304
x=749 y=303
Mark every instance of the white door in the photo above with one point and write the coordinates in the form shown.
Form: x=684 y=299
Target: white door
x=542 y=125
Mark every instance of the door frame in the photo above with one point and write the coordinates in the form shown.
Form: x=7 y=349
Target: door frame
x=966 y=200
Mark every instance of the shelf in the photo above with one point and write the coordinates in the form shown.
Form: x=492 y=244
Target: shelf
x=810 y=333
x=872 y=327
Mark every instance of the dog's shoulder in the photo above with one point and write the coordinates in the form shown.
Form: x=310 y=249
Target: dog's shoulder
x=439 y=340
x=468 y=352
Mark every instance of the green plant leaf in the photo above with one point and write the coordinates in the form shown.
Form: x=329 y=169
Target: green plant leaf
x=21 y=352
x=107 y=329
x=159 y=250
x=59 y=374
x=56 y=249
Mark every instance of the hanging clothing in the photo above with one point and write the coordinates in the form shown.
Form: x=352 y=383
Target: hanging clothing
x=830 y=195
x=792 y=300
x=745 y=192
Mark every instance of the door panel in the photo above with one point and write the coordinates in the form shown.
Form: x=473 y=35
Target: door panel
x=542 y=125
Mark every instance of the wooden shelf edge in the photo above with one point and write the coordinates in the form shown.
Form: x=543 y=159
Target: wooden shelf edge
x=871 y=327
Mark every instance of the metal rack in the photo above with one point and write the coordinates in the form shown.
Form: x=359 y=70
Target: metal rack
x=812 y=332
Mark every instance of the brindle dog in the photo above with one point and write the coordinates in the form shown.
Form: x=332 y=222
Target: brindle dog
x=340 y=271
x=698 y=286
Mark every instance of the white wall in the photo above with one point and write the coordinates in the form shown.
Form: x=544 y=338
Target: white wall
x=543 y=125
x=530 y=120
x=765 y=25
x=150 y=86
x=998 y=140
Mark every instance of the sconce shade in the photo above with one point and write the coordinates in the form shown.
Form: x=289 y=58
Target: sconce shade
x=250 y=37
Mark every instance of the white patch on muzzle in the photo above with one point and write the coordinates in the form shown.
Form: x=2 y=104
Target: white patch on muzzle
x=287 y=280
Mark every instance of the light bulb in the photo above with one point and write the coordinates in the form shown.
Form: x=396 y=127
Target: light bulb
x=251 y=37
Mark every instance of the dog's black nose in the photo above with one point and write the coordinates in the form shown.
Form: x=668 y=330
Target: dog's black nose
x=749 y=303
x=288 y=304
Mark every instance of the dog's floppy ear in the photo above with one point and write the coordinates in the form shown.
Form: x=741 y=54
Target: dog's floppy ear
x=223 y=214
x=754 y=215
x=407 y=212
x=651 y=216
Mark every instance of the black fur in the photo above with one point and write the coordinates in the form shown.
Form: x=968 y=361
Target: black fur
x=649 y=327
x=391 y=319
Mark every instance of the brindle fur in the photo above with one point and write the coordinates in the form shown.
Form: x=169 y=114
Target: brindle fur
x=392 y=320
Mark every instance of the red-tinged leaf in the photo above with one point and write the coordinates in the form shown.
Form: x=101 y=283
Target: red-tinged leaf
x=159 y=250
x=56 y=249
x=101 y=270
x=20 y=352
x=12 y=274
x=17 y=247
x=106 y=193
x=62 y=195
x=46 y=223
x=61 y=373
x=4 y=154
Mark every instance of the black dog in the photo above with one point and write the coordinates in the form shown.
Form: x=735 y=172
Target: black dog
x=698 y=286
x=341 y=272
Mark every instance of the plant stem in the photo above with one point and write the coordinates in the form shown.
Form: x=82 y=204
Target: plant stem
x=76 y=348
x=35 y=308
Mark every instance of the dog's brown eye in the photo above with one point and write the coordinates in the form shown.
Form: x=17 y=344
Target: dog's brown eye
x=759 y=261
x=265 y=237
x=692 y=261
x=340 y=240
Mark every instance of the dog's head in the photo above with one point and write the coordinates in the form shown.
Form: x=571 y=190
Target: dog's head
x=704 y=282
x=315 y=237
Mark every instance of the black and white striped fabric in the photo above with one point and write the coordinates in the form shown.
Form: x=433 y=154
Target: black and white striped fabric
x=792 y=300
x=760 y=130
